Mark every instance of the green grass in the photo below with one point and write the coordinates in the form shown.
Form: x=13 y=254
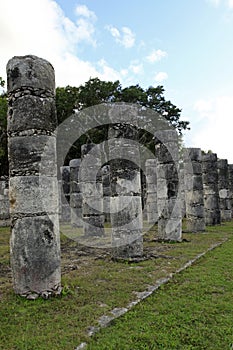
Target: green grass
x=193 y=309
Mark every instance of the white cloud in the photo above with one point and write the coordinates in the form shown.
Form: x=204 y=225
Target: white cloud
x=85 y=24
x=83 y=10
x=230 y=4
x=156 y=55
x=136 y=67
x=125 y=36
x=214 y=131
x=160 y=77
x=203 y=107
x=41 y=28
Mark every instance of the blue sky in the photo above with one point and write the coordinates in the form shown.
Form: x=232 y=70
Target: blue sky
x=184 y=45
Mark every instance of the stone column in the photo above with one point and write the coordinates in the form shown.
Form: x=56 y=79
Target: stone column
x=33 y=189
x=151 y=188
x=4 y=202
x=92 y=192
x=76 y=199
x=182 y=191
x=223 y=187
x=168 y=191
x=65 y=211
x=126 y=204
x=105 y=172
x=210 y=187
x=230 y=172
x=194 y=196
x=144 y=194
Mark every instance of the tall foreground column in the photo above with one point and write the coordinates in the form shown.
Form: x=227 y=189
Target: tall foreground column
x=33 y=190
x=210 y=186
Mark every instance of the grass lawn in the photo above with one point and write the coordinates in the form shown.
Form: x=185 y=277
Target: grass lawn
x=193 y=311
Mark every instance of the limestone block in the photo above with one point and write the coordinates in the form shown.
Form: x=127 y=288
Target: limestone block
x=195 y=197
x=32 y=155
x=76 y=217
x=127 y=244
x=33 y=194
x=76 y=200
x=195 y=224
x=126 y=212
x=93 y=205
x=35 y=250
x=30 y=71
x=197 y=210
x=213 y=217
x=170 y=230
x=32 y=112
x=93 y=225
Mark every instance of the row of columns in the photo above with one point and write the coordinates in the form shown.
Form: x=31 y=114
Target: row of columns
x=33 y=186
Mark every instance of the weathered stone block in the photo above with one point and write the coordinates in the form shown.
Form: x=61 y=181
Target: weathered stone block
x=33 y=194
x=76 y=217
x=93 y=225
x=76 y=200
x=127 y=212
x=32 y=155
x=35 y=254
x=32 y=112
x=93 y=205
x=30 y=71
x=170 y=230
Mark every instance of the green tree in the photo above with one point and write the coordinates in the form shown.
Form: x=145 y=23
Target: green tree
x=96 y=91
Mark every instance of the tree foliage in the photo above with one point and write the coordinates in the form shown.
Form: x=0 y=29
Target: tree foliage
x=96 y=91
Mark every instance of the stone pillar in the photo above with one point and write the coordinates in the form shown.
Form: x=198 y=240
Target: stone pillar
x=76 y=201
x=65 y=194
x=210 y=186
x=144 y=194
x=182 y=192
x=126 y=204
x=223 y=187
x=105 y=172
x=151 y=188
x=92 y=192
x=33 y=189
x=168 y=191
x=4 y=202
x=230 y=172
x=194 y=196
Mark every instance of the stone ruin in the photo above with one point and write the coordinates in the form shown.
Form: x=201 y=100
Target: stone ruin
x=196 y=186
x=33 y=189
